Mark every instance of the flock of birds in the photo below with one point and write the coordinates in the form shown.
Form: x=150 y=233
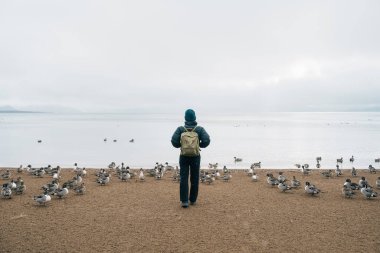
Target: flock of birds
x=124 y=173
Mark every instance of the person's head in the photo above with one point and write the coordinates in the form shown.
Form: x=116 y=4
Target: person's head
x=190 y=115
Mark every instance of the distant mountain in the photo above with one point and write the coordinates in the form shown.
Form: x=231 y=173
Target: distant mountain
x=10 y=109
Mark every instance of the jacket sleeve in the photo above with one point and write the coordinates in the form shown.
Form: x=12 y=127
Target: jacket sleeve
x=204 y=138
x=176 y=138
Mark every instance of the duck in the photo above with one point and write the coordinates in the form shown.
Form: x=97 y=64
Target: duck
x=255 y=177
x=80 y=189
x=326 y=174
x=176 y=176
x=6 y=191
x=56 y=176
x=20 y=189
x=338 y=171
x=207 y=178
x=249 y=172
x=63 y=192
x=271 y=180
x=281 y=177
x=283 y=187
x=42 y=199
x=237 y=159
x=132 y=140
x=6 y=175
x=50 y=188
x=363 y=183
x=227 y=177
x=103 y=180
x=311 y=189
x=352 y=186
x=213 y=166
x=371 y=169
x=305 y=170
x=294 y=183
x=12 y=184
x=353 y=172
x=39 y=172
x=347 y=191
x=168 y=167
x=256 y=165
x=141 y=175
x=378 y=183
x=216 y=174
x=368 y=192
x=20 y=169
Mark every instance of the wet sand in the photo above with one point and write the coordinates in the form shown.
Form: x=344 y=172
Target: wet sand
x=235 y=216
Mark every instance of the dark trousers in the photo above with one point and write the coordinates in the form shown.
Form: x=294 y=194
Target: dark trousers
x=188 y=165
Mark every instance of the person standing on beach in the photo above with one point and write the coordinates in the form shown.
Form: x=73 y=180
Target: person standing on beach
x=189 y=159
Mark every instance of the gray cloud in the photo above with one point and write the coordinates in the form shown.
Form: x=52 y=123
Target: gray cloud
x=213 y=55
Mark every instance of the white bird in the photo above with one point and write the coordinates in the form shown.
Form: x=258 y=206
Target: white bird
x=311 y=189
x=368 y=192
x=255 y=177
x=283 y=186
x=78 y=179
x=61 y=192
x=250 y=172
x=141 y=175
x=56 y=176
x=295 y=183
x=12 y=185
x=42 y=199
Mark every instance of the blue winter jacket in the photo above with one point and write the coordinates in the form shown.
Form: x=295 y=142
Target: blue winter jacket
x=204 y=138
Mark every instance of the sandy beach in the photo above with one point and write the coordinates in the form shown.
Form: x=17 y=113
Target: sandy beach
x=235 y=216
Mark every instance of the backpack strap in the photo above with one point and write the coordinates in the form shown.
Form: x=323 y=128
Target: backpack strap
x=192 y=130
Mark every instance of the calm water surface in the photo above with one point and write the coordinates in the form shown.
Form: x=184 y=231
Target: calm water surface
x=278 y=140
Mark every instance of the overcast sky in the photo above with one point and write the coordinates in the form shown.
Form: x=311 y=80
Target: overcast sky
x=97 y=56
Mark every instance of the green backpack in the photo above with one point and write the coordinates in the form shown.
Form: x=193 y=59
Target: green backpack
x=190 y=143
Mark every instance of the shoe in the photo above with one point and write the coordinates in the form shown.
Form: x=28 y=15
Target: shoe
x=192 y=203
x=184 y=204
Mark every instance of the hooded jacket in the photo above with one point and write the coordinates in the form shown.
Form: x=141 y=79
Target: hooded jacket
x=204 y=138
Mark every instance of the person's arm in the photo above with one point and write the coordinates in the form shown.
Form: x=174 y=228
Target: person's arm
x=204 y=138
x=176 y=138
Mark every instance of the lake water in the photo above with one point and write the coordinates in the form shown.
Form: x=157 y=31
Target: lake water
x=278 y=140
